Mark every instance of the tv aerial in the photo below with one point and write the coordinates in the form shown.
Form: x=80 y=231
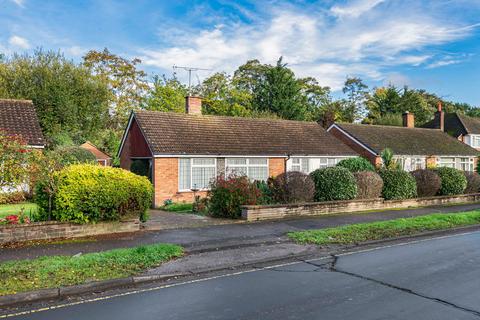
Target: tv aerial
x=190 y=70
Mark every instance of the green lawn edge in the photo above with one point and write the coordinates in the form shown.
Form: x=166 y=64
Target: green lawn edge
x=178 y=207
x=55 y=271
x=8 y=209
x=362 y=232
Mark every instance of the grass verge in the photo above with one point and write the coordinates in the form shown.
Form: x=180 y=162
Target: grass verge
x=8 y=209
x=56 y=271
x=355 y=233
x=178 y=207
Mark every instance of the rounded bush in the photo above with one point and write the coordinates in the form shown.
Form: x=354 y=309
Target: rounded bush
x=473 y=182
x=334 y=183
x=453 y=181
x=369 y=184
x=356 y=164
x=90 y=193
x=293 y=186
x=398 y=184
x=73 y=155
x=428 y=182
x=226 y=195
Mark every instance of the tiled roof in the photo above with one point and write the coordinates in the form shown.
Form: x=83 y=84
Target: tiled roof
x=471 y=125
x=18 y=117
x=407 y=141
x=100 y=155
x=176 y=133
x=457 y=124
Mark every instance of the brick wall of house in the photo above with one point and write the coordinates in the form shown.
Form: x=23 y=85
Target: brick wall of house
x=134 y=146
x=276 y=166
x=375 y=160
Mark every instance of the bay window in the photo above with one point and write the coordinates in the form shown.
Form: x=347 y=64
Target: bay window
x=196 y=173
x=253 y=168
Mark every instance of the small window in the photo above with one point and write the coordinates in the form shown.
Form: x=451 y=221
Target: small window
x=253 y=168
x=300 y=164
x=196 y=173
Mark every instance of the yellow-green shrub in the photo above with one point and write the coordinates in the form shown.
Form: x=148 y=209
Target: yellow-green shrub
x=90 y=193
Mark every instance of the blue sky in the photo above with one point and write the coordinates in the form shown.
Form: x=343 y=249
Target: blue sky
x=432 y=45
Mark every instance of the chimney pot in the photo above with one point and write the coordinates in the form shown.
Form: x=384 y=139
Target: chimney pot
x=193 y=105
x=408 y=119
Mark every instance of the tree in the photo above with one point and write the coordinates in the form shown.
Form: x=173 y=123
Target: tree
x=249 y=75
x=14 y=161
x=357 y=94
x=71 y=103
x=126 y=82
x=281 y=93
x=166 y=95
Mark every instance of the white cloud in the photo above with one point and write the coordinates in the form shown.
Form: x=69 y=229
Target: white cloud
x=19 y=42
x=315 y=44
x=19 y=3
x=76 y=51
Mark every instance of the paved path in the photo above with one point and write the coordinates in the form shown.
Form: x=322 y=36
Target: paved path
x=222 y=235
x=431 y=279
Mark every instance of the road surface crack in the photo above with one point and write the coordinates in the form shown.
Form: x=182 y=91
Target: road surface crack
x=333 y=268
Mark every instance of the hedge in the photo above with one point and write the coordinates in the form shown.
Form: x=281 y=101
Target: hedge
x=334 y=183
x=369 y=185
x=453 y=181
x=428 y=182
x=473 y=182
x=90 y=193
x=356 y=164
x=293 y=186
x=398 y=184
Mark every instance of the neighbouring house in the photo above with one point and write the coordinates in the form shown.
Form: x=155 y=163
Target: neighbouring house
x=18 y=117
x=184 y=152
x=103 y=159
x=460 y=126
x=414 y=148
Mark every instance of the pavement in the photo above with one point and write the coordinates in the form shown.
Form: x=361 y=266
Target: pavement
x=436 y=278
x=218 y=237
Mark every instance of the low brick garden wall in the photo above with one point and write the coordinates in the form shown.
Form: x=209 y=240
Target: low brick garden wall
x=55 y=230
x=257 y=213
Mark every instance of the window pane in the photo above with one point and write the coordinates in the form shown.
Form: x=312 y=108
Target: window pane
x=240 y=171
x=331 y=162
x=257 y=161
x=305 y=166
x=258 y=173
x=236 y=161
x=201 y=177
x=296 y=160
x=203 y=161
x=184 y=174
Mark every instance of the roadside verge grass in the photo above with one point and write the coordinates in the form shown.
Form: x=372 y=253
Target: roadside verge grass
x=355 y=233
x=56 y=271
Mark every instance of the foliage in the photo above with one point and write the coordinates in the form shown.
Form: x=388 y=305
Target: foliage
x=72 y=155
x=356 y=164
x=56 y=271
x=266 y=192
x=453 y=181
x=428 y=182
x=292 y=187
x=473 y=182
x=126 y=83
x=369 y=184
x=14 y=209
x=389 y=119
x=357 y=94
x=70 y=102
x=226 y=195
x=388 y=162
x=12 y=197
x=398 y=184
x=167 y=94
x=178 y=207
x=334 y=183
x=90 y=193
x=356 y=233
x=14 y=158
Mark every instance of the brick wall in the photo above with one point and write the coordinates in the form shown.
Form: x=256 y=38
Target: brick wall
x=375 y=160
x=276 y=166
x=256 y=213
x=56 y=230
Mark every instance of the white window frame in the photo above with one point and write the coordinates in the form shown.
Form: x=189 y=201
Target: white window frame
x=474 y=140
x=457 y=163
x=191 y=172
x=247 y=165
x=324 y=162
x=411 y=162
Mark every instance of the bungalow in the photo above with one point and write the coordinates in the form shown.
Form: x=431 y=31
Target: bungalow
x=18 y=117
x=103 y=159
x=465 y=129
x=414 y=148
x=184 y=152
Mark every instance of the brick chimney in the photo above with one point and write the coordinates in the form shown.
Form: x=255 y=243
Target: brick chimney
x=439 y=119
x=193 y=105
x=408 y=119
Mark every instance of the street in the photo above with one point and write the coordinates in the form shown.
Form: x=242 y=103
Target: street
x=431 y=279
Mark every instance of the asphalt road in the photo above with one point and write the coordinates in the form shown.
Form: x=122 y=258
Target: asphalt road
x=432 y=279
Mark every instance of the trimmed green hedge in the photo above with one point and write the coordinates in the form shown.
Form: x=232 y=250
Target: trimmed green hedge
x=73 y=155
x=453 y=181
x=398 y=184
x=90 y=193
x=356 y=164
x=335 y=183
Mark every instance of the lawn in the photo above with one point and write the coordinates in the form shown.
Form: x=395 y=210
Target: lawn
x=8 y=209
x=52 y=272
x=355 y=233
x=178 y=207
